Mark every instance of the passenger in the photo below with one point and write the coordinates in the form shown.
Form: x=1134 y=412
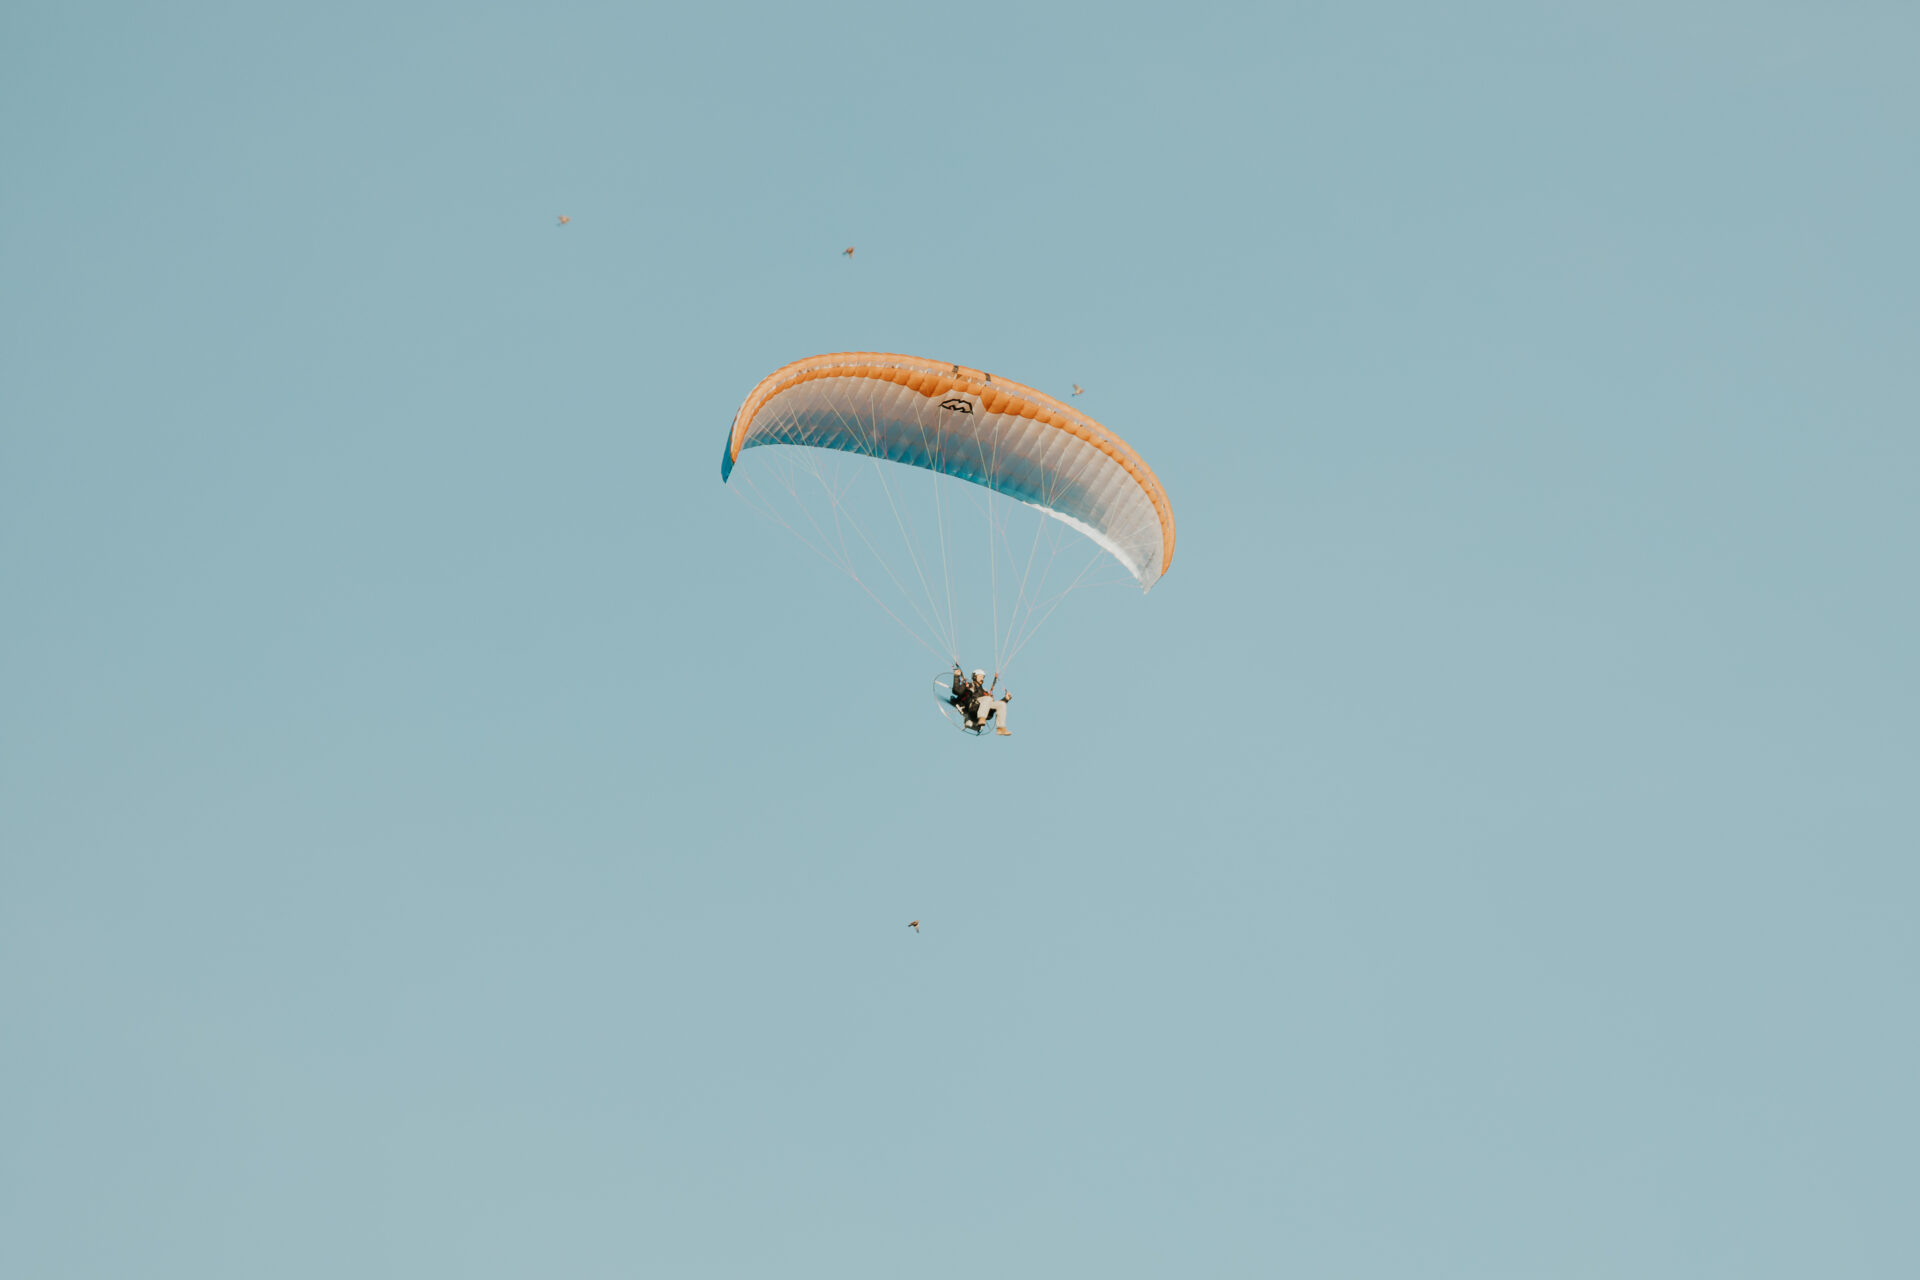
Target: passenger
x=987 y=707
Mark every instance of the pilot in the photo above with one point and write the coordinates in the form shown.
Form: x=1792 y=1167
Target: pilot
x=963 y=695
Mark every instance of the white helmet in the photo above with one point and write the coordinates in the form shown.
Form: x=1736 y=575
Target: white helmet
x=979 y=675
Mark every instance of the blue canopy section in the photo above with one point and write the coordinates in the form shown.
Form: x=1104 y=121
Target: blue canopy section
x=963 y=454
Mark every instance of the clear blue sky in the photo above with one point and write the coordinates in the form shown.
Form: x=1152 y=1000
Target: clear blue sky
x=1489 y=853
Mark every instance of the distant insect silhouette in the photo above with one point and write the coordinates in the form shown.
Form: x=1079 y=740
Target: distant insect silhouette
x=564 y=220
x=1077 y=388
x=847 y=252
x=914 y=925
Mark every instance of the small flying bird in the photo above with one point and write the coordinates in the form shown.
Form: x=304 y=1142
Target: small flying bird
x=847 y=252
x=564 y=220
x=1077 y=388
x=914 y=925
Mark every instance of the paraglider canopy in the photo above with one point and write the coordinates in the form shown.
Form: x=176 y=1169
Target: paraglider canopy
x=965 y=423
